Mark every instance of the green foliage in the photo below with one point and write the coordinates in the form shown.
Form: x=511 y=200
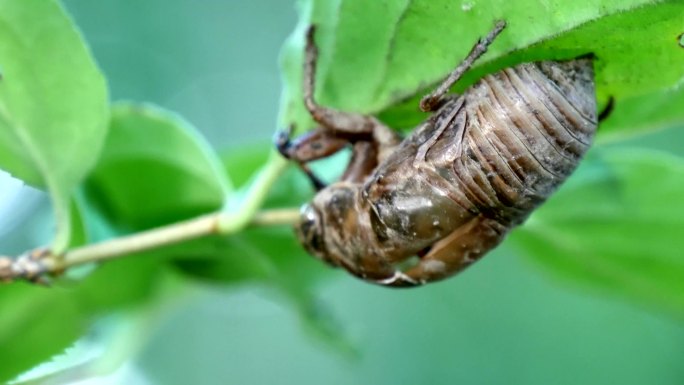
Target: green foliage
x=53 y=102
x=175 y=174
x=638 y=63
x=652 y=111
x=37 y=323
x=25 y=336
x=612 y=227
x=617 y=225
x=374 y=56
x=419 y=45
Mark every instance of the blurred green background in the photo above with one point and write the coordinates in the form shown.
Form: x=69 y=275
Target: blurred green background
x=504 y=321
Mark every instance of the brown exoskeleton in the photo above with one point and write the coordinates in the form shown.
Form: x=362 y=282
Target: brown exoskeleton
x=451 y=190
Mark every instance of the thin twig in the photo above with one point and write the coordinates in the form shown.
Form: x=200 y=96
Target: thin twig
x=35 y=264
x=275 y=217
x=240 y=211
x=135 y=243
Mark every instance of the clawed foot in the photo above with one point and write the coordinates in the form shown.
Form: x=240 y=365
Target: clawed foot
x=399 y=279
x=283 y=142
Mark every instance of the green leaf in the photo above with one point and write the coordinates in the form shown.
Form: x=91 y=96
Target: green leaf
x=637 y=52
x=37 y=322
x=381 y=58
x=373 y=56
x=616 y=225
x=272 y=257
x=643 y=73
x=650 y=112
x=155 y=169
x=93 y=225
x=118 y=284
x=241 y=163
x=66 y=313
x=53 y=102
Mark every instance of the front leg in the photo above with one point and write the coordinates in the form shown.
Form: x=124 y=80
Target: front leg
x=318 y=144
x=452 y=254
x=371 y=140
x=313 y=145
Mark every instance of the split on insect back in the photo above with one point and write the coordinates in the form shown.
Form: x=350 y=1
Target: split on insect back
x=409 y=211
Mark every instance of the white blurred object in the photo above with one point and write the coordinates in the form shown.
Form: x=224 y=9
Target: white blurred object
x=16 y=201
x=128 y=374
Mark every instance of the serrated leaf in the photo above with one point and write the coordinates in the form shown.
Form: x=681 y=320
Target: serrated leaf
x=616 y=226
x=155 y=168
x=37 y=322
x=53 y=102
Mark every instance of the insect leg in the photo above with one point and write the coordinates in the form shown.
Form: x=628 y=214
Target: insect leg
x=363 y=161
x=308 y=147
x=433 y=100
x=455 y=252
x=313 y=145
x=318 y=144
x=346 y=124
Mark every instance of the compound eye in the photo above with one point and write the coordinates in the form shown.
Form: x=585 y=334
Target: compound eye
x=310 y=231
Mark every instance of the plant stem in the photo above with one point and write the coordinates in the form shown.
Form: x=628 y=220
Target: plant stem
x=240 y=211
x=35 y=264
x=243 y=206
x=146 y=240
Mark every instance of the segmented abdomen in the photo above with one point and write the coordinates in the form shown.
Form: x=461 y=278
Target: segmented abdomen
x=525 y=130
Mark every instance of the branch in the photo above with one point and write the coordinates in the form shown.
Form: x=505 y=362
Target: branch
x=34 y=265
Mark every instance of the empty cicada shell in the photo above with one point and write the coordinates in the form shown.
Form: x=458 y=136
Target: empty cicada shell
x=451 y=190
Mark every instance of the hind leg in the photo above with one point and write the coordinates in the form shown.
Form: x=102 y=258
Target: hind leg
x=452 y=254
x=434 y=100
